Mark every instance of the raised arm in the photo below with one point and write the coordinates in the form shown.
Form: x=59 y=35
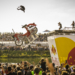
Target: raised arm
x=50 y=67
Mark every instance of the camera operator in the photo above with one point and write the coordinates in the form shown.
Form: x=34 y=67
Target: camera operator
x=43 y=64
x=26 y=67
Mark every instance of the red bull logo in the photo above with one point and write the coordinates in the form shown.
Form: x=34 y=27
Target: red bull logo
x=53 y=50
x=66 y=50
x=71 y=57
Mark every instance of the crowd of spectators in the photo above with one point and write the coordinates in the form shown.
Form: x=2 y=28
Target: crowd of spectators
x=29 y=48
x=42 y=37
x=25 y=68
x=42 y=68
x=8 y=37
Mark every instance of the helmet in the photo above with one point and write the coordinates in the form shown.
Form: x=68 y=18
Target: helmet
x=24 y=26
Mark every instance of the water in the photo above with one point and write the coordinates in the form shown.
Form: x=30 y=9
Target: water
x=18 y=60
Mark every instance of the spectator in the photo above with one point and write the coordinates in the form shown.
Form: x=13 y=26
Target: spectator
x=29 y=73
x=73 y=73
x=43 y=64
x=36 y=71
x=9 y=71
x=19 y=73
x=1 y=70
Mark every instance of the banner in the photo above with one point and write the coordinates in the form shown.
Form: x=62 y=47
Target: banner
x=62 y=48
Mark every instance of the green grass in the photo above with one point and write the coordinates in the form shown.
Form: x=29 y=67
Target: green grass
x=18 y=56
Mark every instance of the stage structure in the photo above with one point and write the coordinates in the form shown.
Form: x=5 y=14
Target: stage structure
x=62 y=46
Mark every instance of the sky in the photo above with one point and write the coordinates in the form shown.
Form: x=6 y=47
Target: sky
x=45 y=13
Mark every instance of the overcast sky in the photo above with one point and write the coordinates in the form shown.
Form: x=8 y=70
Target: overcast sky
x=45 y=13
